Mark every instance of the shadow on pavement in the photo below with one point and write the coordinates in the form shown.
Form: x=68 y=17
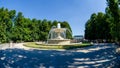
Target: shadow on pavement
x=20 y=58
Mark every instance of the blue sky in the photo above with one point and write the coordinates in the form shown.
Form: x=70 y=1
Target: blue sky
x=76 y=12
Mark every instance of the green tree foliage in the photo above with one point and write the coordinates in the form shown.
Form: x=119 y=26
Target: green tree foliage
x=6 y=18
x=114 y=8
x=91 y=28
x=17 y=28
x=69 y=31
x=104 y=25
x=97 y=27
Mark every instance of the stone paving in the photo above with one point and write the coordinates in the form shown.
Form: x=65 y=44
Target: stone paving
x=97 y=56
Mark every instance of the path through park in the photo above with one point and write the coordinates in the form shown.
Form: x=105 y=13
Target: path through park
x=97 y=56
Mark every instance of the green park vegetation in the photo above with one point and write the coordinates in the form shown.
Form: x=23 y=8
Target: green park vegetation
x=15 y=27
x=105 y=26
x=45 y=46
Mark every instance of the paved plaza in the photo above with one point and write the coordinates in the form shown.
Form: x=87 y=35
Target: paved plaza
x=97 y=56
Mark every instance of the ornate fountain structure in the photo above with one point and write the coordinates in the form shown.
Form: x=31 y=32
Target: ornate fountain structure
x=58 y=35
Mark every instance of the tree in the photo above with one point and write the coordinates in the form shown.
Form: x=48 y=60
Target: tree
x=45 y=29
x=19 y=27
x=90 y=28
x=5 y=25
x=55 y=23
x=69 y=30
x=15 y=27
x=98 y=27
x=115 y=13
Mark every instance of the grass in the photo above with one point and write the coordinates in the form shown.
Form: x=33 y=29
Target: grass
x=43 y=46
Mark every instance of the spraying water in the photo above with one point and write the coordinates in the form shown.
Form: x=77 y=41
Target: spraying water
x=58 y=35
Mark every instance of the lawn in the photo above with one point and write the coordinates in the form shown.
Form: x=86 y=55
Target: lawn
x=45 y=46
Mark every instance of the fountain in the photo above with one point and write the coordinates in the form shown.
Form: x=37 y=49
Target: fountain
x=58 y=35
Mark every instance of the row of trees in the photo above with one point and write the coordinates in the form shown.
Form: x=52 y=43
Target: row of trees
x=105 y=25
x=15 y=27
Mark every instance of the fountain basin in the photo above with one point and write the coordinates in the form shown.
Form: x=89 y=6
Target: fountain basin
x=57 y=36
x=58 y=41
